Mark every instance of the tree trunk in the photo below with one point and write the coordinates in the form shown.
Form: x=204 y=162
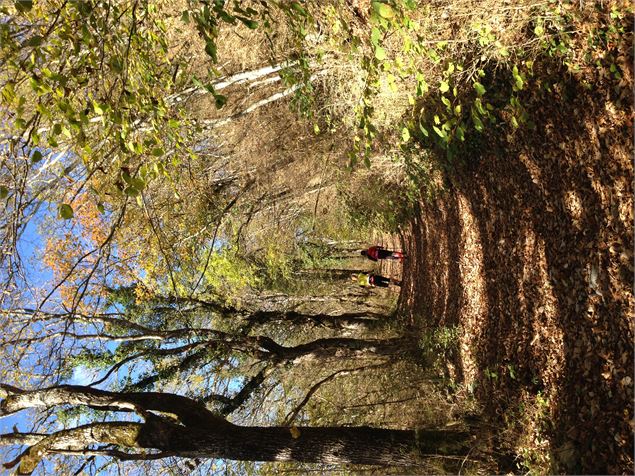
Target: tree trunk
x=346 y=321
x=327 y=445
x=344 y=348
x=200 y=433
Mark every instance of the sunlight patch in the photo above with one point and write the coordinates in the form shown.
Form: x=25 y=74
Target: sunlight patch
x=532 y=169
x=536 y=285
x=474 y=292
x=574 y=206
x=283 y=455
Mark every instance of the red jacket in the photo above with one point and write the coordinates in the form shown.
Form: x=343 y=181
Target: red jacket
x=373 y=252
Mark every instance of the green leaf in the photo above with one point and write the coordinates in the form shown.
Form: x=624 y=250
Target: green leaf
x=8 y=92
x=138 y=183
x=226 y=17
x=131 y=191
x=251 y=24
x=422 y=86
x=480 y=89
x=518 y=78
x=512 y=372
x=116 y=64
x=446 y=101
x=298 y=8
x=444 y=87
x=441 y=133
x=97 y=108
x=380 y=53
x=405 y=134
x=35 y=84
x=23 y=6
x=210 y=49
x=4 y=192
x=352 y=159
x=35 y=40
x=220 y=100
x=36 y=156
x=479 y=106
x=383 y=10
x=478 y=124
x=460 y=133
x=65 y=211
x=423 y=130
x=375 y=36
x=158 y=151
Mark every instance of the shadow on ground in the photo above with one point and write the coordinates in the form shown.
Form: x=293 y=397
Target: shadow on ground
x=529 y=251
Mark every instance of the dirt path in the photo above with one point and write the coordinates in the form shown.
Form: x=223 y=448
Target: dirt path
x=530 y=252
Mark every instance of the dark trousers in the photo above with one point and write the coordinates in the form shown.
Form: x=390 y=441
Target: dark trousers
x=379 y=281
x=384 y=254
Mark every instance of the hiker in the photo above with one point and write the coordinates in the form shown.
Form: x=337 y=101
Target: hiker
x=374 y=280
x=375 y=253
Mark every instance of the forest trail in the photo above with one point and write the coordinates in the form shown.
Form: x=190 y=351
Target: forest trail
x=529 y=252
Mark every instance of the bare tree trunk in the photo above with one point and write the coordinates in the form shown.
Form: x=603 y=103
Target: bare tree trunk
x=344 y=348
x=328 y=445
x=200 y=433
x=345 y=321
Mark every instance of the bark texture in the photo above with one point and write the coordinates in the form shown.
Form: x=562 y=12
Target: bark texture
x=327 y=445
x=193 y=431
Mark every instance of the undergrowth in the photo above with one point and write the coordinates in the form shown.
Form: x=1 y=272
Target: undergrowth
x=426 y=84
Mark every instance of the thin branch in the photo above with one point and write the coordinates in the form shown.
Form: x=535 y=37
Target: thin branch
x=117 y=366
x=228 y=207
x=294 y=413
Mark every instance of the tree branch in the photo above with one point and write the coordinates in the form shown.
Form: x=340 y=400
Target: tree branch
x=188 y=411
x=294 y=413
x=117 y=433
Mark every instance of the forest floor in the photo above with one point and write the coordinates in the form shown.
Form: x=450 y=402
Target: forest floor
x=528 y=254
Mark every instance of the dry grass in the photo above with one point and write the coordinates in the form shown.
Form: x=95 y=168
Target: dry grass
x=453 y=29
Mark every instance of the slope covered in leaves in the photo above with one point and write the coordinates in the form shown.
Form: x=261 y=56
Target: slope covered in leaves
x=529 y=252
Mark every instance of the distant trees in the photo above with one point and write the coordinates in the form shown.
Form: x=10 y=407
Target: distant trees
x=94 y=110
x=160 y=331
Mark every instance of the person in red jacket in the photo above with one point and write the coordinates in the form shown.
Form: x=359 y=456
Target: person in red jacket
x=375 y=253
